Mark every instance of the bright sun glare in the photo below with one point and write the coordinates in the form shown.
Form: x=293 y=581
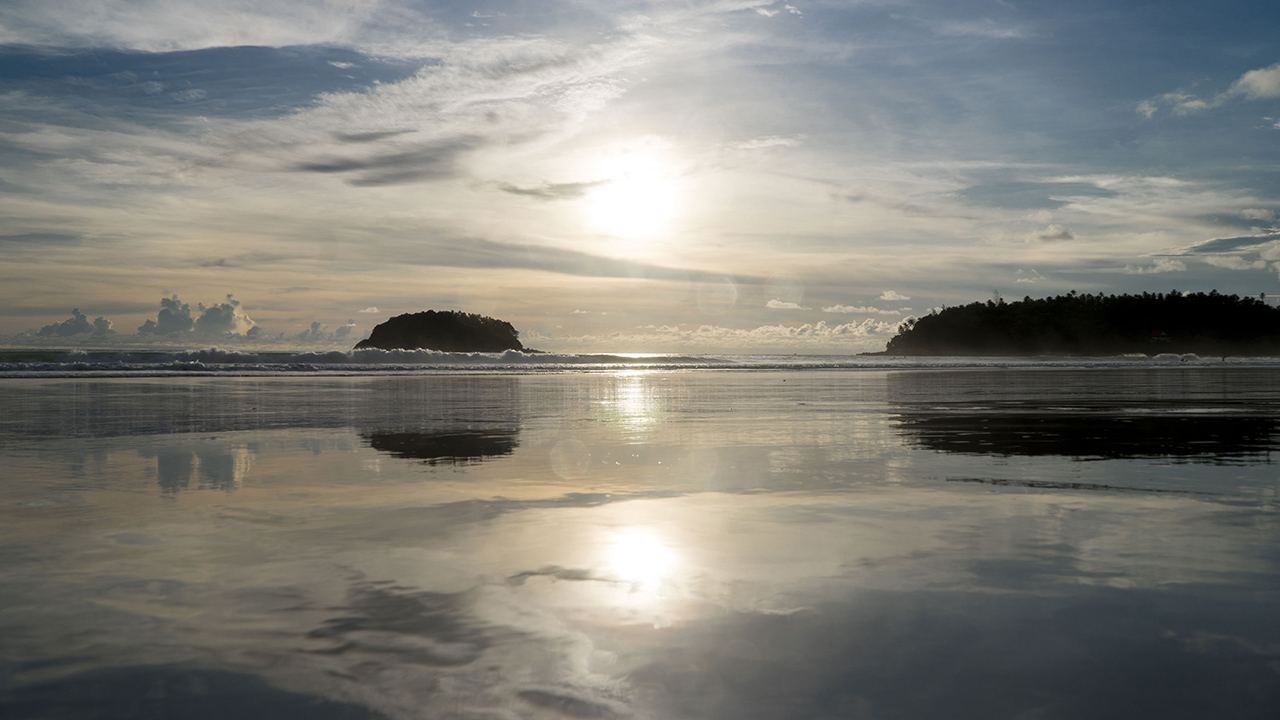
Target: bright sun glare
x=639 y=557
x=636 y=199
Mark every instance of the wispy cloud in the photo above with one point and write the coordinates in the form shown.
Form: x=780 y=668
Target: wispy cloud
x=1259 y=84
x=1162 y=265
x=864 y=310
x=769 y=141
x=553 y=191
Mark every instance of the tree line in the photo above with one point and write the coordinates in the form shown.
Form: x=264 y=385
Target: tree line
x=1083 y=324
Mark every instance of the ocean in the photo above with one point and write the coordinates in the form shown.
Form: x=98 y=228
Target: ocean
x=217 y=534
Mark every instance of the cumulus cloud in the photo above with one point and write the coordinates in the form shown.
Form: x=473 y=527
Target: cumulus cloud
x=78 y=324
x=175 y=319
x=318 y=334
x=776 y=304
x=1030 y=276
x=370 y=309
x=225 y=318
x=1054 y=233
x=891 y=295
x=1162 y=265
x=864 y=310
x=1259 y=84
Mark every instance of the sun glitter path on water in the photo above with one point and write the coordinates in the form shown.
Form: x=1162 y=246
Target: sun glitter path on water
x=640 y=557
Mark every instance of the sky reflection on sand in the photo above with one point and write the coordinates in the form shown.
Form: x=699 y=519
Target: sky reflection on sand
x=762 y=545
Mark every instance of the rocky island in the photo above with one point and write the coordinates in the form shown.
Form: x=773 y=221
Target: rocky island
x=445 y=330
x=1075 y=324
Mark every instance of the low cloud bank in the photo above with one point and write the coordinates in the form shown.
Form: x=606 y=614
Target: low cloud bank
x=179 y=323
x=175 y=318
x=819 y=337
x=78 y=324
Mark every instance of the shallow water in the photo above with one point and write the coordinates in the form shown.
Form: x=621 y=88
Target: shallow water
x=963 y=543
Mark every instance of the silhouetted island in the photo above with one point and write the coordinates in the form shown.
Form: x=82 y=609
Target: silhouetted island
x=446 y=330
x=1075 y=324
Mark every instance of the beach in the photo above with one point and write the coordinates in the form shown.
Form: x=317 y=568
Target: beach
x=664 y=539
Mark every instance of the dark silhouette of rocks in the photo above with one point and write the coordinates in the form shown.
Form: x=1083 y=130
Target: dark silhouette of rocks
x=446 y=330
x=1075 y=324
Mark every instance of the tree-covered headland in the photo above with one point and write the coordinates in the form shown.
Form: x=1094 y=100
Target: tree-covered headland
x=1075 y=324
x=446 y=330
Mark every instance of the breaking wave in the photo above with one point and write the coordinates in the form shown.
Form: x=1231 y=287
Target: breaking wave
x=219 y=361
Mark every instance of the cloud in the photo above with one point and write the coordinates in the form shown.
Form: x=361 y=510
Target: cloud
x=1259 y=84
x=553 y=191
x=816 y=337
x=1027 y=195
x=167 y=25
x=1054 y=233
x=225 y=318
x=78 y=324
x=982 y=29
x=368 y=137
x=313 y=334
x=1162 y=265
x=318 y=334
x=485 y=93
x=767 y=141
x=767 y=10
x=891 y=295
x=783 y=305
x=189 y=96
x=175 y=319
x=864 y=310
x=1235 y=262
x=1029 y=277
x=481 y=253
x=370 y=309
x=431 y=161
x=1257 y=214
x=1228 y=244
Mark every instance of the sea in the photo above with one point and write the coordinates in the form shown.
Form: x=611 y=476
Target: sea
x=212 y=533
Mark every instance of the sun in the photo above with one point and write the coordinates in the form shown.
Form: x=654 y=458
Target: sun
x=636 y=196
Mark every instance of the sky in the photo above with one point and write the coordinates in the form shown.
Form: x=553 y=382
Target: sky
x=625 y=176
